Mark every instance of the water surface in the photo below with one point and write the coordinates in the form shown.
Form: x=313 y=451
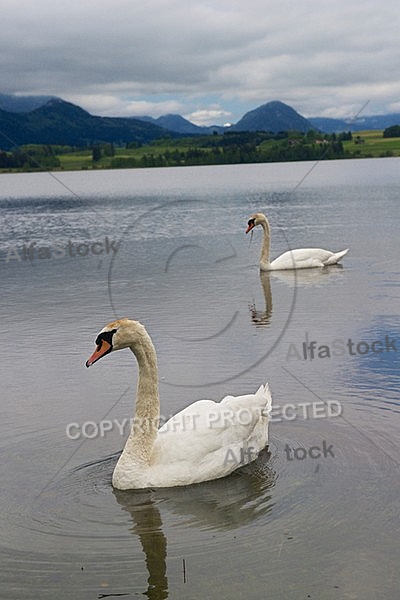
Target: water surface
x=319 y=527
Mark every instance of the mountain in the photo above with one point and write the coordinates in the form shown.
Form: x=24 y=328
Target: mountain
x=273 y=116
x=182 y=125
x=377 y=121
x=361 y=123
x=60 y=122
x=329 y=125
x=19 y=104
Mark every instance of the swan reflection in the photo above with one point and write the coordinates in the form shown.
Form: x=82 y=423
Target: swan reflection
x=224 y=504
x=293 y=279
x=305 y=277
x=147 y=526
x=261 y=318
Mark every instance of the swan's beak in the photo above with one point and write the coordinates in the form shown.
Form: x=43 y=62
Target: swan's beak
x=250 y=227
x=101 y=350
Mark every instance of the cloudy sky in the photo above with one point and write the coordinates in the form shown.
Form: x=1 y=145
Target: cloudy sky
x=209 y=60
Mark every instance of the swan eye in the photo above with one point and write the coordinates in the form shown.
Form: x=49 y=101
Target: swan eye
x=106 y=336
x=251 y=222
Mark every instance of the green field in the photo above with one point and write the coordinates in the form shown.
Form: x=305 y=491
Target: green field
x=83 y=159
x=372 y=144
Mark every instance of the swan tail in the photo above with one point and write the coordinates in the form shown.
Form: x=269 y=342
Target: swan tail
x=265 y=393
x=332 y=260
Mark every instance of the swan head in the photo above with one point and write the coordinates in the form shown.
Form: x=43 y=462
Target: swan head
x=117 y=335
x=256 y=219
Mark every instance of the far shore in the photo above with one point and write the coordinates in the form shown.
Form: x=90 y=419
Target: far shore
x=205 y=150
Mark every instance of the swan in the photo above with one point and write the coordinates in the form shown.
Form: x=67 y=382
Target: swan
x=206 y=440
x=301 y=258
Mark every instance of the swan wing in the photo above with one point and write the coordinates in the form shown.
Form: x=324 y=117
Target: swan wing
x=305 y=258
x=208 y=440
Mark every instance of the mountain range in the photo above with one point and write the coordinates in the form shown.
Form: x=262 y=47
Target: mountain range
x=276 y=116
x=63 y=123
x=359 y=124
x=51 y=120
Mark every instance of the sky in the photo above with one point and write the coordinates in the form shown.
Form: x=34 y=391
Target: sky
x=209 y=60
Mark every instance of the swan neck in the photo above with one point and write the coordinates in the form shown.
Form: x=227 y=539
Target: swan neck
x=147 y=410
x=264 y=258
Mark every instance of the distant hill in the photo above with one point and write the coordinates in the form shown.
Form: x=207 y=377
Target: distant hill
x=181 y=125
x=173 y=123
x=329 y=125
x=359 y=124
x=377 y=121
x=19 y=104
x=60 y=122
x=273 y=116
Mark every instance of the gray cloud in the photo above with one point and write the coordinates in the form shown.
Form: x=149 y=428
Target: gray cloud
x=119 y=56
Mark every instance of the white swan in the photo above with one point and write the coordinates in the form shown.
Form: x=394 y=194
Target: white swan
x=301 y=258
x=206 y=440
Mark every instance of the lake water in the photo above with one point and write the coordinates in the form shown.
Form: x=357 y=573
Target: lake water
x=284 y=527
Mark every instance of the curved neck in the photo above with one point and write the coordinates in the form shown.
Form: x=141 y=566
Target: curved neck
x=147 y=412
x=264 y=258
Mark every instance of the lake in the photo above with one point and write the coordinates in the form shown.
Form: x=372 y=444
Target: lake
x=317 y=514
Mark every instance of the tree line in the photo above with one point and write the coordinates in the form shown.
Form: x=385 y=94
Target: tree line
x=239 y=148
x=226 y=148
x=31 y=157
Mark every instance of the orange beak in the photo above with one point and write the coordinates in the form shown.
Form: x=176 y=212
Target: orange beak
x=250 y=227
x=101 y=350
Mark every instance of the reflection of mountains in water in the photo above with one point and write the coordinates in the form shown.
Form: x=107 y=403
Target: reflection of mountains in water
x=223 y=504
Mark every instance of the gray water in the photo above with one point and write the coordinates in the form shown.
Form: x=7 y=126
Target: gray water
x=282 y=527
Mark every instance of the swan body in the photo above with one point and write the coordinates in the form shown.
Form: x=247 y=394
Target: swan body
x=301 y=258
x=206 y=440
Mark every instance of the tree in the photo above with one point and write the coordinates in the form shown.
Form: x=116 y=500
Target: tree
x=109 y=149
x=393 y=131
x=96 y=153
x=311 y=136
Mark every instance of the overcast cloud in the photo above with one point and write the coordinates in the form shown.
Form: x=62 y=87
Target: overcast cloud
x=210 y=61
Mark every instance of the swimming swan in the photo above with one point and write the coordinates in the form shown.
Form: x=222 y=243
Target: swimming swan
x=207 y=440
x=301 y=258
